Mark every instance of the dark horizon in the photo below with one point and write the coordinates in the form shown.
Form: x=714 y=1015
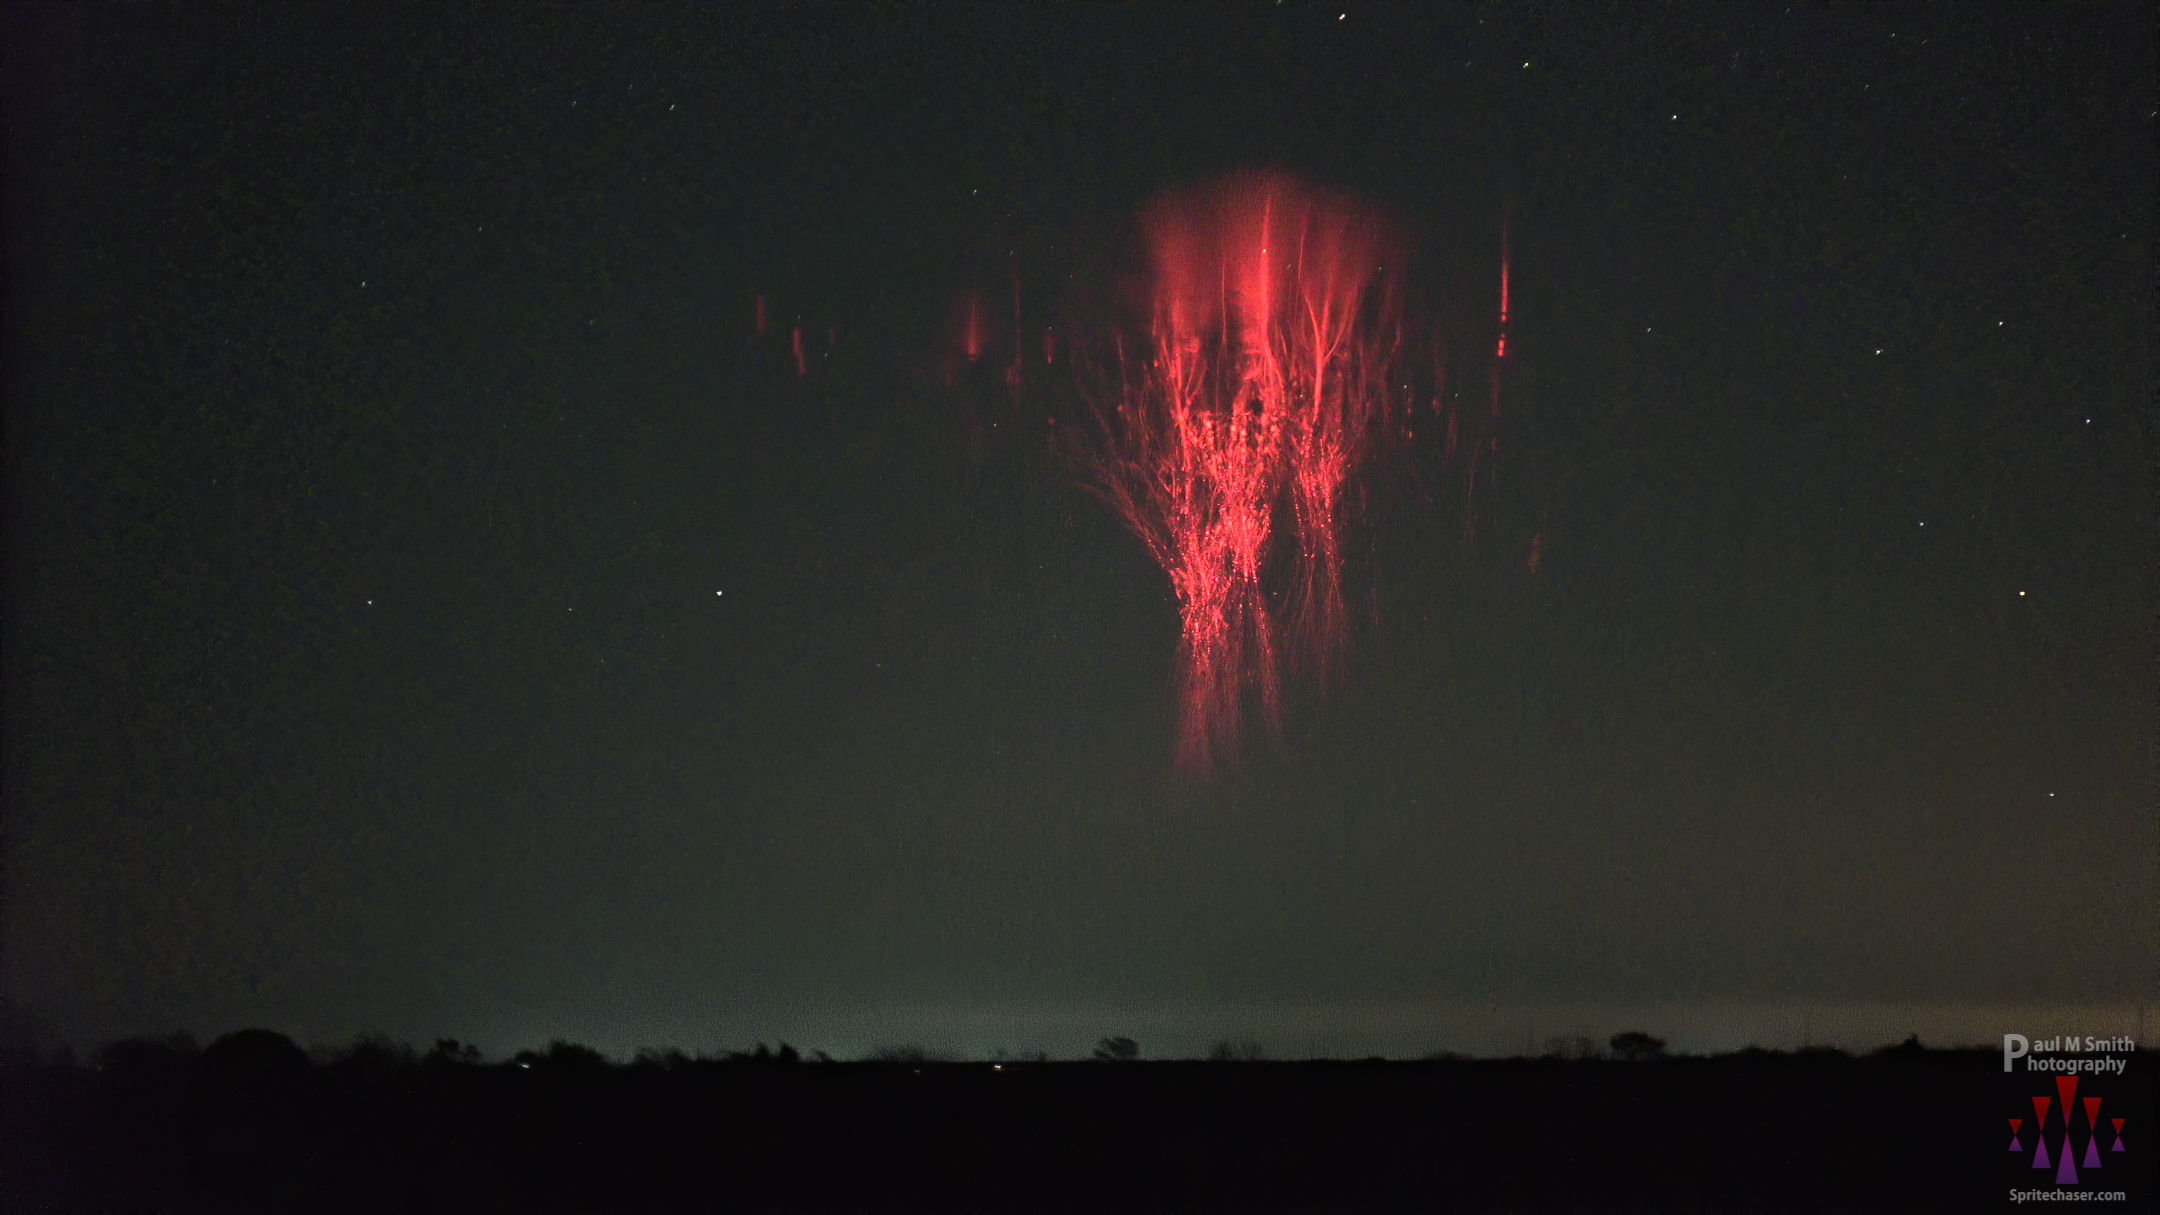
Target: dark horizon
x=1560 y=1040
x=244 y=1048
x=249 y=1123
x=434 y=609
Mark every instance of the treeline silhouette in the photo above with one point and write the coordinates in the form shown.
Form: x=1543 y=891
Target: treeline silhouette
x=252 y=1122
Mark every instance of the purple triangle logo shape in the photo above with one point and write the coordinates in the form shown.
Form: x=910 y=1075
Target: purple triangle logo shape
x=2065 y=1168
x=2040 y=1156
x=2092 y=1152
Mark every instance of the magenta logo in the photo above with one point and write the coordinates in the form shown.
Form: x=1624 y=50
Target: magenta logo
x=2065 y=1159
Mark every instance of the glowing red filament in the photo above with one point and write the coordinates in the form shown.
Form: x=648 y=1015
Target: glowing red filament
x=1265 y=371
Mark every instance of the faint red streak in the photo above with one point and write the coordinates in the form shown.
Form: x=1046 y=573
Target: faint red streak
x=1471 y=439
x=1501 y=351
x=795 y=343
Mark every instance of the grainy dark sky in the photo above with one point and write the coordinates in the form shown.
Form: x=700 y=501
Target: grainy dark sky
x=431 y=607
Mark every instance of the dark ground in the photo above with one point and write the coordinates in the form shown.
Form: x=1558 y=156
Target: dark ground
x=251 y=1124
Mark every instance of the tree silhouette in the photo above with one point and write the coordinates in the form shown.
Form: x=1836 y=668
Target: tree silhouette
x=1636 y=1046
x=765 y=1054
x=373 y=1052
x=254 y=1053
x=1117 y=1050
x=148 y=1056
x=567 y=1058
x=451 y=1051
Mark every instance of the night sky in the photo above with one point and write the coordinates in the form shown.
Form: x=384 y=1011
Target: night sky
x=433 y=607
